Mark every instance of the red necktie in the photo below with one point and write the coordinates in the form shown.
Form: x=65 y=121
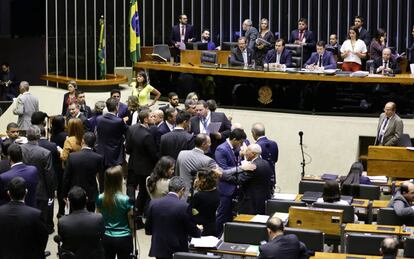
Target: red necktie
x=301 y=35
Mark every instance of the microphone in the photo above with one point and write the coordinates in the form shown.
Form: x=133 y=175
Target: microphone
x=301 y=136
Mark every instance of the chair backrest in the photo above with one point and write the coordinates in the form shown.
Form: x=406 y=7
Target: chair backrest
x=272 y=206
x=313 y=239
x=348 y=216
x=186 y=255
x=228 y=45
x=387 y=216
x=310 y=186
x=209 y=57
x=362 y=191
x=245 y=233
x=409 y=247
x=363 y=244
x=162 y=50
x=405 y=141
x=297 y=54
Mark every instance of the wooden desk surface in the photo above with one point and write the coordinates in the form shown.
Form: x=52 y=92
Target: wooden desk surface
x=376 y=204
x=407 y=79
x=360 y=203
x=374 y=229
x=325 y=255
x=243 y=218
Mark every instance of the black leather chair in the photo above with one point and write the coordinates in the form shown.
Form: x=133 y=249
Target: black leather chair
x=409 y=247
x=185 y=255
x=387 y=216
x=405 y=141
x=363 y=244
x=208 y=57
x=362 y=191
x=348 y=217
x=162 y=50
x=310 y=186
x=297 y=54
x=272 y=206
x=245 y=233
x=313 y=239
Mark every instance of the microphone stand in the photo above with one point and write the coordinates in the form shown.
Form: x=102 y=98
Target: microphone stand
x=303 y=158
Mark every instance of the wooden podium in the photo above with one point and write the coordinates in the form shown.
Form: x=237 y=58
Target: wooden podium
x=395 y=162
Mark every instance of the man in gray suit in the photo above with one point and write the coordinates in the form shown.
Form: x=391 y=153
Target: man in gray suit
x=26 y=105
x=390 y=127
x=41 y=158
x=250 y=33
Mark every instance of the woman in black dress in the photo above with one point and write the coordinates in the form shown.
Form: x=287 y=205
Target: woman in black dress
x=261 y=49
x=206 y=200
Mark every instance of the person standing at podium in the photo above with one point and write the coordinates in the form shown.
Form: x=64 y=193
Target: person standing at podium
x=182 y=32
x=390 y=127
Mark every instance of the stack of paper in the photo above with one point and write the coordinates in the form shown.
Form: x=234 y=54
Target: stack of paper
x=285 y=196
x=260 y=219
x=378 y=179
x=282 y=216
x=205 y=242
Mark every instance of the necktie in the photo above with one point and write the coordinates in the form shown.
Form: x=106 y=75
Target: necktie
x=386 y=64
x=320 y=61
x=301 y=35
x=182 y=32
x=204 y=122
x=385 y=124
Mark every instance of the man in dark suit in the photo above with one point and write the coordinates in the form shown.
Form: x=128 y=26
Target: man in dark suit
x=122 y=109
x=270 y=150
x=110 y=131
x=168 y=125
x=255 y=187
x=81 y=169
x=81 y=231
x=280 y=55
x=304 y=37
x=27 y=172
x=169 y=222
x=173 y=102
x=390 y=126
x=178 y=139
x=9 y=86
x=74 y=112
x=281 y=245
x=23 y=233
x=250 y=34
x=140 y=146
x=389 y=248
x=41 y=158
x=321 y=59
x=85 y=109
x=385 y=64
x=363 y=33
x=182 y=32
x=201 y=124
x=242 y=55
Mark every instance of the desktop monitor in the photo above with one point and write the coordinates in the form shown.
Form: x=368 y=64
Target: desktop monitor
x=196 y=45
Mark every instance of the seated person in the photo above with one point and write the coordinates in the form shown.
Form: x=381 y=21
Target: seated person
x=385 y=64
x=280 y=55
x=331 y=194
x=389 y=248
x=355 y=175
x=205 y=38
x=333 y=46
x=281 y=245
x=321 y=59
x=241 y=56
x=402 y=200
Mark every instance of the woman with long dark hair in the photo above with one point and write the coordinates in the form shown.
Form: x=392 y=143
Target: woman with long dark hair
x=378 y=43
x=355 y=175
x=117 y=212
x=353 y=50
x=157 y=182
x=142 y=90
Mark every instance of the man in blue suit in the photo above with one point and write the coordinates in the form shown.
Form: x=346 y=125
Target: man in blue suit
x=226 y=158
x=182 y=32
x=270 y=150
x=27 y=172
x=321 y=59
x=122 y=111
x=110 y=131
x=304 y=37
x=280 y=55
x=169 y=222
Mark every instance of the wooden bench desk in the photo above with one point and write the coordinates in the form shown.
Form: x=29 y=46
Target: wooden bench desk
x=325 y=255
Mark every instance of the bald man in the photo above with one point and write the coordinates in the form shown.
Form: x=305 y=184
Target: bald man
x=390 y=127
x=389 y=248
x=385 y=64
x=255 y=188
x=402 y=201
x=26 y=105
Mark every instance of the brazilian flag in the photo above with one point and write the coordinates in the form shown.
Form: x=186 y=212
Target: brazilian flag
x=101 y=50
x=134 y=32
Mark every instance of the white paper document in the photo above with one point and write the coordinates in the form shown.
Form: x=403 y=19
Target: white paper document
x=285 y=196
x=260 y=219
x=205 y=241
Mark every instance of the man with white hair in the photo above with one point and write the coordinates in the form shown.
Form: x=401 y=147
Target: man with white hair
x=26 y=105
x=255 y=188
x=250 y=33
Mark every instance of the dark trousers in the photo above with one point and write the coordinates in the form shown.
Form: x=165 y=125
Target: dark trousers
x=46 y=213
x=122 y=247
x=133 y=181
x=224 y=213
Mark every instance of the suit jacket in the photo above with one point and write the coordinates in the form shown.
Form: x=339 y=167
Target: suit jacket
x=226 y=159
x=83 y=118
x=365 y=36
x=283 y=247
x=81 y=233
x=29 y=174
x=169 y=222
x=310 y=42
x=81 y=169
x=410 y=54
x=251 y=36
x=86 y=110
x=401 y=206
x=224 y=128
x=41 y=158
x=328 y=61
x=175 y=141
x=56 y=162
x=285 y=57
x=140 y=146
x=161 y=130
x=122 y=110
x=23 y=233
x=391 y=64
x=236 y=57
x=393 y=131
x=175 y=33
x=255 y=188
x=110 y=138
x=26 y=105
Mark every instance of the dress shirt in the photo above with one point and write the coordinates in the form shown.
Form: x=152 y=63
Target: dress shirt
x=170 y=126
x=182 y=32
x=18 y=163
x=245 y=60
x=204 y=123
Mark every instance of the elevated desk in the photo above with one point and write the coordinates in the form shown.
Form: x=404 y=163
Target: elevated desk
x=395 y=162
x=110 y=79
x=376 y=229
x=325 y=255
